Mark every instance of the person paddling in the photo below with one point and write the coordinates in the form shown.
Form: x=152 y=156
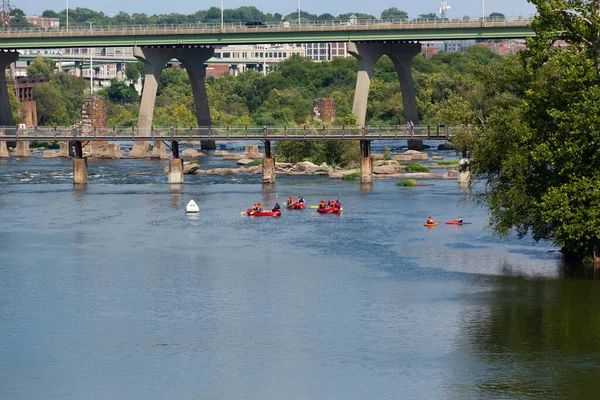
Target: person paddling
x=459 y=220
x=430 y=221
x=260 y=207
x=322 y=204
x=254 y=207
x=277 y=207
x=338 y=204
x=300 y=200
x=290 y=201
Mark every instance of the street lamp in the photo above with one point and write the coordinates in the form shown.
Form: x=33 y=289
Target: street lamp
x=67 y=15
x=298 y=12
x=221 y=14
x=91 y=66
x=483 y=11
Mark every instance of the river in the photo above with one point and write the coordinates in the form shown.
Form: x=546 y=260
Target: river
x=114 y=292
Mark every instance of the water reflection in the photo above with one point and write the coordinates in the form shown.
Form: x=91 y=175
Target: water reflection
x=534 y=337
x=176 y=201
x=366 y=187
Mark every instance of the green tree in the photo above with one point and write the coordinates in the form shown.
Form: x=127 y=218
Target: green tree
x=41 y=67
x=394 y=13
x=540 y=156
x=497 y=16
x=51 y=108
x=133 y=71
x=118 y=91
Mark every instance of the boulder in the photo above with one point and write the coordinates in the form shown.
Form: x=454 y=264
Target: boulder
x=190 y=153
x=340 y=173
x=385 y=169
x=306 y=166
x=377 y=156
x=244 y=161
x=445 y=146
x=437 y=157
x=452 y=173
x=416 y=155
x=233 y=157
x=114 y=150
x=378 y=163
x=189 y=168
x=403 y=158
x=50 y=154
x=52 y=174
x=223 y=171
x=220 y=153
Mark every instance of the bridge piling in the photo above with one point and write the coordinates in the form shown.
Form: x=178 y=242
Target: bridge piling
x=80 y=173
x=401 y=55
x=366 y=165
x=155 y=60
x=6 y=117
x=193 y=60
x=268 y=164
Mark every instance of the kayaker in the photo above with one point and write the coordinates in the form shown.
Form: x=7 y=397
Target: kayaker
x=430 y=220
x=260 y=207
x=459 y=220
x=277 y=207
x=338 y=204
x=322 y=204
x=254 y=207
x=290 y=201
x=300 y=200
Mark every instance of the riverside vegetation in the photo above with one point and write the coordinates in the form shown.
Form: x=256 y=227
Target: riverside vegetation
x=531 y=122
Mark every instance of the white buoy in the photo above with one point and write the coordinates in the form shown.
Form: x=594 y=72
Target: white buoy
x=192 y=207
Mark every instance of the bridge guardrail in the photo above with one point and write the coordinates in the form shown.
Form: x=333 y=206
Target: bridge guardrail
x=216 y=27
x=380 y=132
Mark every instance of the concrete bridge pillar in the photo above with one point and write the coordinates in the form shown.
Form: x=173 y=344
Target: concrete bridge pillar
x=175 y=165
x=3 y=148
x=268 y=168
x=22 y=149
x=80 y=173
x=401 y=55
x=193 y=60
x=155 y=60
x=366 y=164
x=6 y=117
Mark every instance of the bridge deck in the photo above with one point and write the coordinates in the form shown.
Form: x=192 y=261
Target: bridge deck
x=211 y=34
x=228 y=134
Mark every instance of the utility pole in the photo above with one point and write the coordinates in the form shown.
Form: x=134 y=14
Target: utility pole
x=6 y=14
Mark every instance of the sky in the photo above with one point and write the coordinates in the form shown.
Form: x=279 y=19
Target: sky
x=459 y=8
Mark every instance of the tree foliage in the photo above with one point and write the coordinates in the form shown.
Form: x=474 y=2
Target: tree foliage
x=41 y=67
x=538 y=144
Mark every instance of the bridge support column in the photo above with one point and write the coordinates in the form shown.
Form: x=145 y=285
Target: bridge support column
x=401 y=55
x=80 y=173
x=366 y=165
x=193 y=60
x=268 y=168
x=155 y=60
x=3 y=148
x=175 y=171
x=22 y=149
x=6 y=117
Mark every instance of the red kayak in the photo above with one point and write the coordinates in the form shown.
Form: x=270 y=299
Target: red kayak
x=456 y=223
x=263 y=213
x=329 y=210
x=296 y=206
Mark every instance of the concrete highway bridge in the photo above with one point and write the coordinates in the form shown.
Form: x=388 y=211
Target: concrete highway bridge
x=194 y=44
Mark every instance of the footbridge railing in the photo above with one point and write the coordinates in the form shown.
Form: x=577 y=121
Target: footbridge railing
x=173 y=133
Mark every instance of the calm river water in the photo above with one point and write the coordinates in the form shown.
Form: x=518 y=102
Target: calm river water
x=113 y=292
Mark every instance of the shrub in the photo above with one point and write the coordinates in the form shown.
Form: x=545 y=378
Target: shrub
x=321 y=170
x=254 y=163
x=387 y=154
x=352 y=176
x=416 y=168
x=451 y=162
x=408 y=182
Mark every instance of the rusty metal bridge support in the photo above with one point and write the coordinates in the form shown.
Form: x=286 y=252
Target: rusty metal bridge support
x=366 y=164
